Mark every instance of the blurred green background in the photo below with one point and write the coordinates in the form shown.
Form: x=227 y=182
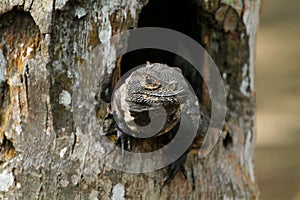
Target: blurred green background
x=277 y=159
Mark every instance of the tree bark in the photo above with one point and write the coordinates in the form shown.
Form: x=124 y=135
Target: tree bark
x=44 y=151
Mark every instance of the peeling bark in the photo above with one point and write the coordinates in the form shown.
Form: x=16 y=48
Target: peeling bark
x=47 y=153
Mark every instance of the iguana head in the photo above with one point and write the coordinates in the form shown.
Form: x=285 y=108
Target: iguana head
x=150 y=88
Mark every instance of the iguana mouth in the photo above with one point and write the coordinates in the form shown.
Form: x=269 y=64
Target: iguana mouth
x=163 y=93
x=157 y=98
x=147 y=100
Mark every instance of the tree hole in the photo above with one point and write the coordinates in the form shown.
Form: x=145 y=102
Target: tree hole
x=227 y=141
x=178 y=15
x=7 y=150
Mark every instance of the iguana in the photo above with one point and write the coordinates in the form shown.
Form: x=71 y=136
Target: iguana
x=159 y=91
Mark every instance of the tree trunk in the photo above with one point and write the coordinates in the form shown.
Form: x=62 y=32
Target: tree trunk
x=53 y=106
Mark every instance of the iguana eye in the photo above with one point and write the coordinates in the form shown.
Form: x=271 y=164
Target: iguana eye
x=150 y=83
x=172 y=86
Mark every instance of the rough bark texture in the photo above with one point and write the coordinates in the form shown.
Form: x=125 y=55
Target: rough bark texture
x=46 y=154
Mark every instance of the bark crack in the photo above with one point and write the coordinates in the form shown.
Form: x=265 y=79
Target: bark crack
x=26 y=81
x=47 y=116
x=74 y=142
x=41 y=188
x=193 y=179
x=31 y=4
x=84 y=162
